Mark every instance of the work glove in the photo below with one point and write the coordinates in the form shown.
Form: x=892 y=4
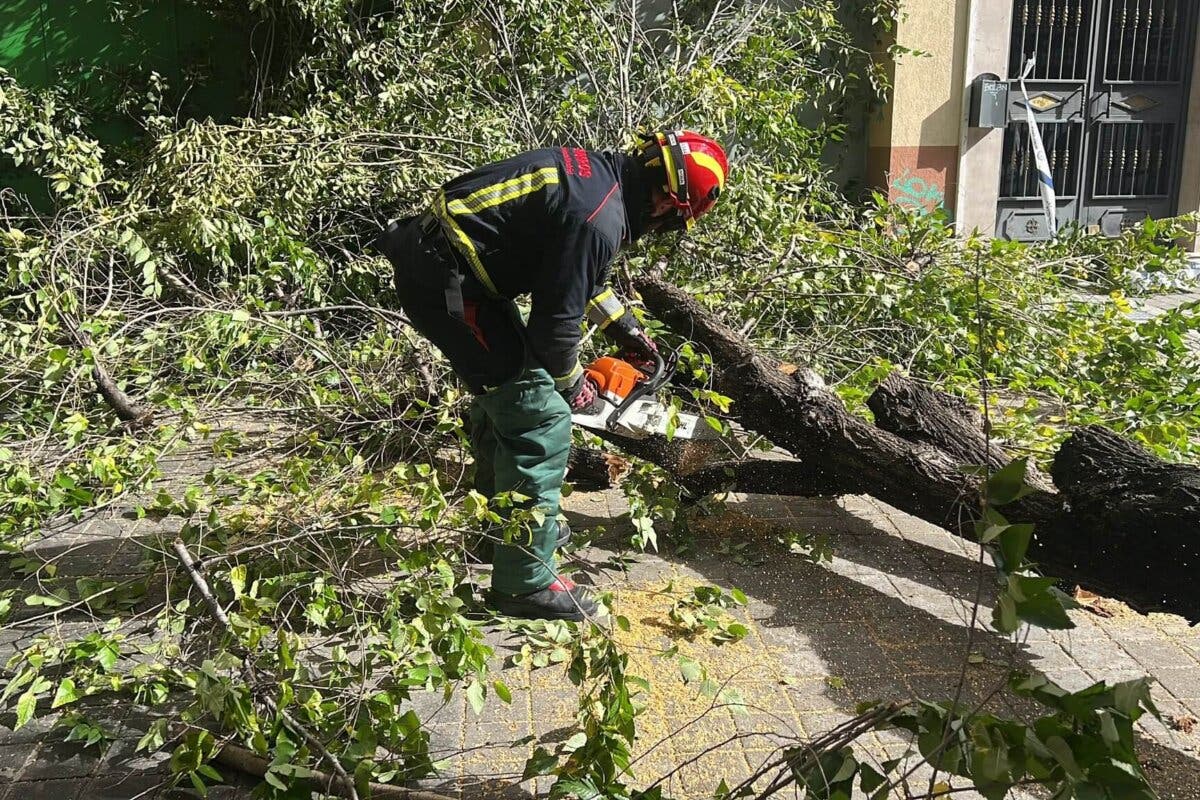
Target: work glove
x=639 y=350
x=583 y=395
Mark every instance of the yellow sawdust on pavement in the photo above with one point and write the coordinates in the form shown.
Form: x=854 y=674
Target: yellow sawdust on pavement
x=680 y=722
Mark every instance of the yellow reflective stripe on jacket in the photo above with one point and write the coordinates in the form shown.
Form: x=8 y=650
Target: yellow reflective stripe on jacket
x=568 y=380
x=503 y=192
x=485 y=198
x=604 y=309
x=463 y=243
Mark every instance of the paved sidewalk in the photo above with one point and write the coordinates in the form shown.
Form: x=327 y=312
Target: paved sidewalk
x=885 y=620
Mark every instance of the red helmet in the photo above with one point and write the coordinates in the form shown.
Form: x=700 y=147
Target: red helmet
x=696 y=169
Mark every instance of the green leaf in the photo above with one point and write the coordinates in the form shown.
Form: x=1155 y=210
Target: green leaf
x=475 y=695
x=689 y=669
x=1045 y=610
x=870 y=779
x=44 y=600
x=575 y=742
x=25 y=706
x=1063 y=755
x=1014 y=543
x=1008 y=484
x=581 y=789
x=540 y=763
x=107 y=655
x=66 y=693
x=237 y=579
x=208 y=771
x=198 y=783
x=1004 y=616
x=737 y=631
x=240 y=315
x=502 y=691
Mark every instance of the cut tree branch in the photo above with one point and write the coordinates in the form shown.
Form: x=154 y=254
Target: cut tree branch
x=318 y=747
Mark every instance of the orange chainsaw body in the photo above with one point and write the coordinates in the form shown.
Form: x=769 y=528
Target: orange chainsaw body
x=616 y=378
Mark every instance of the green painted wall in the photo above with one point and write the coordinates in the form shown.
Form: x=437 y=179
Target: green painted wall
x=91 y=50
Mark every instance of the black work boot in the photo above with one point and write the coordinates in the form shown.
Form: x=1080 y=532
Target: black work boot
x=560 y=600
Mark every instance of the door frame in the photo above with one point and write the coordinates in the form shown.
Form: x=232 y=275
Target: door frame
x=1081 y=102
x=988 y=35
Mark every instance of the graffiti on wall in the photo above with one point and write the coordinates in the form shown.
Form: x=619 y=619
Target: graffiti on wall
x=915 y=193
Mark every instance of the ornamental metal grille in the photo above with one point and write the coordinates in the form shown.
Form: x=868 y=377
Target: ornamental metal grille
x=1133 y=160
x=1143 y=41
x=1062 y=144
x=1058 y=32
x=1109 y=93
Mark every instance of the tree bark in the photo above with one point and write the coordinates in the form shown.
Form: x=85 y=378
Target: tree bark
x=1134 y=518
x=841 y=452
x=920 y=414
x=921 y=472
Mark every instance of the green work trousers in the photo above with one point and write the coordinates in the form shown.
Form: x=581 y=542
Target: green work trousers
x=520 y=426
x=520 y=435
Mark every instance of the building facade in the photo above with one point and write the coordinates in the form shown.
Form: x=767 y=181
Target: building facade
x=1113 y=85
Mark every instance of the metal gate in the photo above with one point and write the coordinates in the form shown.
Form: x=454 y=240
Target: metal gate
x=1109 y=93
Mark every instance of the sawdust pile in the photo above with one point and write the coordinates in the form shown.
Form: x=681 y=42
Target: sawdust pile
x=744 y=670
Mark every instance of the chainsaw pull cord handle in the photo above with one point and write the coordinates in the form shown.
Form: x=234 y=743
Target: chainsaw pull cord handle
x=663 y=371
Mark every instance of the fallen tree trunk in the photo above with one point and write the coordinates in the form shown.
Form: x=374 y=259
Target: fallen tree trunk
x=839 y=453
x=1139 y=516
x=799 y=413
x=921 y=414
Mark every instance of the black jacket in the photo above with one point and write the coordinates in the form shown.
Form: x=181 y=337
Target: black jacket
x=547 y=223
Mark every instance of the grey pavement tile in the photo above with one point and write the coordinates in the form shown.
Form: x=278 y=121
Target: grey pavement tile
x=1049 y=656
x=125 y=786
x=1118 y=674
x=1099 y=654
x=1159 y=653
x=1183 y=684
x=498 y=738
x=767 y=726
x=36 y=730
x=1071 y=679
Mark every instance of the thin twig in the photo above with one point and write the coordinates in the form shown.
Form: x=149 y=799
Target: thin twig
x=219 y=613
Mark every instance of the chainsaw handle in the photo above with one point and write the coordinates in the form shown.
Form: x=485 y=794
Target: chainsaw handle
x=664 y=369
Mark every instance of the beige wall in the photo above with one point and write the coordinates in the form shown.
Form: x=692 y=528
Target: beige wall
x=913 y=149
x=1189 y=187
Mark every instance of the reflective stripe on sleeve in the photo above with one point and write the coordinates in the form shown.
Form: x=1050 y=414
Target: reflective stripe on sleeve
x=564 y=382
x=604 y=309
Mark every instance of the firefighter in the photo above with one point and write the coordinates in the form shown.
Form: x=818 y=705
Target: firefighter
x=547 y=224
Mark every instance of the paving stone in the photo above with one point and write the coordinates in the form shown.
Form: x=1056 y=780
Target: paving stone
x=126 y=785
x=887 y=618
x=1158 y=653
x=37 y=729
x=1183 y=684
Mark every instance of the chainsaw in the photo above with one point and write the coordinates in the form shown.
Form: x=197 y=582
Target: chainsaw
x=626 y=404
